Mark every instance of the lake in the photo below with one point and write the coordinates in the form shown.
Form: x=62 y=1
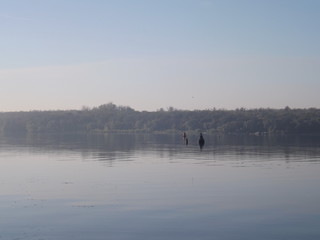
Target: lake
x=119 y=186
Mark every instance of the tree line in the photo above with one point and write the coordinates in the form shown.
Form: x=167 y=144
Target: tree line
x=112 y=118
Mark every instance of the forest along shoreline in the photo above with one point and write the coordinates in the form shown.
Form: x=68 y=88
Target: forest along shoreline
x=112 y=118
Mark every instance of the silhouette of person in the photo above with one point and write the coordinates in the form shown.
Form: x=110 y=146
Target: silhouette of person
x=185 y=138
x=201 y=141
x=184 y=135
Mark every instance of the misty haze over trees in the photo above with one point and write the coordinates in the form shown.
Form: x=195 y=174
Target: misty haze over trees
x=112 y=118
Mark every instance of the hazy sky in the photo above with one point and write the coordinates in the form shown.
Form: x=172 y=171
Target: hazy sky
x=151 y=54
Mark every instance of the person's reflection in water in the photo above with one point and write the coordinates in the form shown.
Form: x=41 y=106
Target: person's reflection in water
x=201 y=141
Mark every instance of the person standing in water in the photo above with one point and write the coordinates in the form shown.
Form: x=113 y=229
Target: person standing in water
x=201 y=141
x=185 y=138
x=184 y=135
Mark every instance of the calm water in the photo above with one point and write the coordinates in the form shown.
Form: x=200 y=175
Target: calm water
x=154 y=187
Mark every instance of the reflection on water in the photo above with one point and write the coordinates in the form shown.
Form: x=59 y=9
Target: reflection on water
x=120 y=186
x=124 y=146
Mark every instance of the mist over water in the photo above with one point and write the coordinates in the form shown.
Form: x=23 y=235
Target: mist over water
x=120 y=186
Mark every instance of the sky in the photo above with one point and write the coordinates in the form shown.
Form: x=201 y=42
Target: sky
x=150 y=54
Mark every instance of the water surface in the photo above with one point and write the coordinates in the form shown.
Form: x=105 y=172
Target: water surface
x=120 y=186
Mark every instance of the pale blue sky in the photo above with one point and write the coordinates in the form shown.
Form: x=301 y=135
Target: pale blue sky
x=148 y=54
